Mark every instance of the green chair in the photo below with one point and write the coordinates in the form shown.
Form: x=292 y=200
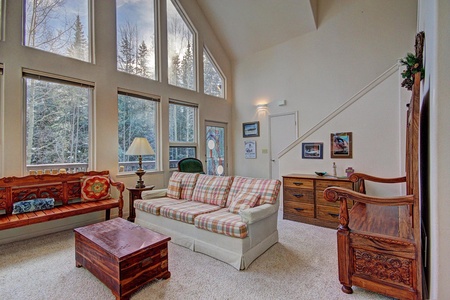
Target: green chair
x=190 y=165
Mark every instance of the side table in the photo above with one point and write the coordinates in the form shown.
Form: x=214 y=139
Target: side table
x=135 y=193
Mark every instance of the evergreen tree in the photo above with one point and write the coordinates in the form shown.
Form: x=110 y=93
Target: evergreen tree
x=78 y=48
x=142 y=61
x=127 y=54
x=187 y=68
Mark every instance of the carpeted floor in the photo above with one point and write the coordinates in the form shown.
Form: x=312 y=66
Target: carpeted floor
x=303 y=265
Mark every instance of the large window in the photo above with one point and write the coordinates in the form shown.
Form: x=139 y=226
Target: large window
x=182 y=131
x=138 y=117
x=61 y=27
x=181 y=49
x=213 y=81
x=57 y=124
x=136 y=37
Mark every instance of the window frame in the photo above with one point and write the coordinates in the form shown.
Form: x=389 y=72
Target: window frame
x=219 y=71
x=157 y=148
x=196 y=128
x=43 y=76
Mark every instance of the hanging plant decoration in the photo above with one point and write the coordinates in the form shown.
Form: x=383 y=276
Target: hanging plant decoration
x=413 y=65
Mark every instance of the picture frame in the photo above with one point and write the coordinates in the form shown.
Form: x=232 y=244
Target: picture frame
x=341 y=145
x=250 y=129
x=250 y=149
x=312 y=150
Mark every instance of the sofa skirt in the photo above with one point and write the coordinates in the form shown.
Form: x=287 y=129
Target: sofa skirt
x=237 y=252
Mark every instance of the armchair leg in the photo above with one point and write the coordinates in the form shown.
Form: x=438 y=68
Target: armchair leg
x=107 y=214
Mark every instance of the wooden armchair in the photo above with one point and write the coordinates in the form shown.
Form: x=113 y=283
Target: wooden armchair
x=379 y=239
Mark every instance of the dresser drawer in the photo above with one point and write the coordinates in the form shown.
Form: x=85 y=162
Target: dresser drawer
x=298 y=183
x=328 y=213
x=298 y=195
x=299 y=209
x=321 y=185
x=320 y=200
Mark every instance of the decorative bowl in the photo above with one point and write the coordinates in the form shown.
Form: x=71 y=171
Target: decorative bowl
x=321 y=173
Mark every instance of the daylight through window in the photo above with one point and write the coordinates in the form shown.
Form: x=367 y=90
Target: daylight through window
x=181 y=50
x=138 y=117
x=61 y=27
x=182 y=132
x=57 y=124
x=136 y=37
x=213 y=82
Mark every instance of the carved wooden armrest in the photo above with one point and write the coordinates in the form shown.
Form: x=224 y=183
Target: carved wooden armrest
x=355 y=177
x=120 y=187
x=333 y=194
x=359 y=179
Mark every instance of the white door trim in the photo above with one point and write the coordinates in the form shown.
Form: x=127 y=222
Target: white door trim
x=295 y=113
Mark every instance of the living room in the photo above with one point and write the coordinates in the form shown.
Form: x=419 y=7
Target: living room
x=354 y=42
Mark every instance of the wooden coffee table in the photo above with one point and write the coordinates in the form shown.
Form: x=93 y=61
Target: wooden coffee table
x=122 y=255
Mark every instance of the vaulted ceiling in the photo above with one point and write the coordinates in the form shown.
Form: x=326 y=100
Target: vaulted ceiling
x=245 y=27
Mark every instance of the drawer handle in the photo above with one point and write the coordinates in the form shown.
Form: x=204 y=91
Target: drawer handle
x=146 y=262
x=299 y=209
x=334 y=215
x=298 y=183
x=298 y=195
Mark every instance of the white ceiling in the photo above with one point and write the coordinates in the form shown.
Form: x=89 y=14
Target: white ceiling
x=248 y=26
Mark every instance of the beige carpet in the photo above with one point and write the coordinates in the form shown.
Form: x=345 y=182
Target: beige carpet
x=301 y=266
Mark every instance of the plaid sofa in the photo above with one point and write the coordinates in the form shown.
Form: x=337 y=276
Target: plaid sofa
x=233 y=219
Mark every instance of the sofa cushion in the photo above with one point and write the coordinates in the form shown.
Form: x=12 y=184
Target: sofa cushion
x=222 y=222
x=243 y=201
x=212 y=189
x=174 y=188
x=267 y=188
x=186 y=212
x=153 y=206
x=188 y=181
x=95 y=188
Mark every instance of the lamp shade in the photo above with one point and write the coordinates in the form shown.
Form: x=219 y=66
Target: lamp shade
x=140 y=146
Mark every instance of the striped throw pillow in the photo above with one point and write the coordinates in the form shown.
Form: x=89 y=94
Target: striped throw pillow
x=212 y=189
x=243 y=201
x=174 y=188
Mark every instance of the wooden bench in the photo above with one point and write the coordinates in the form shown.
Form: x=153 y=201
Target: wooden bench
x=380 y=239
x=65 y=189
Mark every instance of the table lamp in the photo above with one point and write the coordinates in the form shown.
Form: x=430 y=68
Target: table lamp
x=140 y=146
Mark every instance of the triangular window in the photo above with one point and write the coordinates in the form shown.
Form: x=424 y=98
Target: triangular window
x=213 y=80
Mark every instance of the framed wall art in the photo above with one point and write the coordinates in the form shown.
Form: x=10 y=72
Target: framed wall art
x=250 y=149
x=312 y=150
x=341 y=145
x=250 y=129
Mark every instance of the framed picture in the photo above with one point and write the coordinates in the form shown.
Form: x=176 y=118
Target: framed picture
x=341 y=145
x=250 y=149
x=250 y=129
x=312 y=150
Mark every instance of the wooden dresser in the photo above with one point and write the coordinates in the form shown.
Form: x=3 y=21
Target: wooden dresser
x=303 y=199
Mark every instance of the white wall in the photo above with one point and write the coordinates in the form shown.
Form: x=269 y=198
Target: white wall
x=379 y=153
x=356 y=41
x=107 y=80
x=434 y=20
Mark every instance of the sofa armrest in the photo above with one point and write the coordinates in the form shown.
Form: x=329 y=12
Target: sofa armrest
x=255 y=214
x=153 y=194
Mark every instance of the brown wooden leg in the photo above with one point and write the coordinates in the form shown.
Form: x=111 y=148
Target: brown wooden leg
x=108 y=214
x=78 y=265
x=347 y=289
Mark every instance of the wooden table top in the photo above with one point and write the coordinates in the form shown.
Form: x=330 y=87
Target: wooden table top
x=121 y=238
